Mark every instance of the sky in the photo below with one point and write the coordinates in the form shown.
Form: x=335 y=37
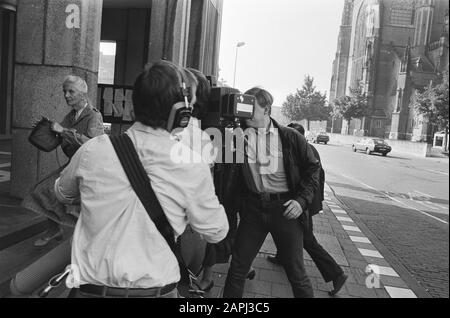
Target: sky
x=284 y=41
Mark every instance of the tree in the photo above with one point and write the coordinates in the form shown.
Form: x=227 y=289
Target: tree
x=307 y=103
x=432 y=102
x=349 y=107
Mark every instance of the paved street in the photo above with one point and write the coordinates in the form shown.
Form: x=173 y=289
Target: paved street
x=402 y=204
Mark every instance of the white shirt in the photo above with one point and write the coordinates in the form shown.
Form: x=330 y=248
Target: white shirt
x=265 y=161
x=115 y=243
x=78 y=113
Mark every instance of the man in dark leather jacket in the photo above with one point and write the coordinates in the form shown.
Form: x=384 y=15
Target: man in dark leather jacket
x=327 y=266
x=273 y=199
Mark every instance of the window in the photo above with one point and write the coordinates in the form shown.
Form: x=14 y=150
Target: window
x=402 y=13
x=377 y=123
x=107 y=59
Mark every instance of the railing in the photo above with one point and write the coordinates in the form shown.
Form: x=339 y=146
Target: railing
x=115 y=103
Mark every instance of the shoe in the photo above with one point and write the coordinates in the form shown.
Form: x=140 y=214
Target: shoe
x=338 y=283
x=43 y=241
x=273 y=260
x=207 y=288
x=251 y=274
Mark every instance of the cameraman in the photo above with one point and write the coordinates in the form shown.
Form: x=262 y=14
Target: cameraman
x=280 y=176
x=117 y=248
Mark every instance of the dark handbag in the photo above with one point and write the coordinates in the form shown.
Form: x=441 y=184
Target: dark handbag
x=42 y=136
x=140 y=183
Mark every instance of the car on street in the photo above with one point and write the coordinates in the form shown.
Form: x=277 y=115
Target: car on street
x=372 y=145
x=318 y=137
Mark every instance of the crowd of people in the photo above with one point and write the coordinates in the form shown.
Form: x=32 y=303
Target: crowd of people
x=119 y=251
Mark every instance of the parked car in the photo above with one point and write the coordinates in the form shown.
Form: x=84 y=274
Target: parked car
x=372 y=145
x=316 y=137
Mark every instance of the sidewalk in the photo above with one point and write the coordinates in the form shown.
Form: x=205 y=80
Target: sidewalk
x=334 y=230
x=349 y=247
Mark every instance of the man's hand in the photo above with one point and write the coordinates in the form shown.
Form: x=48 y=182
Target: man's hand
x=57 y=128
x=293 y=210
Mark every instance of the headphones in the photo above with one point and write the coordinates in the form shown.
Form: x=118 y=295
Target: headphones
x=181 y=112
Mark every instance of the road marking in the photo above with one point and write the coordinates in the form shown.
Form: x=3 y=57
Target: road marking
x=339 y=211
x=359 y=239
x=427 y=195
x=5 y=153
x=429 y=202
x=383 y=270
x=429 y=206
x=5 y=165
x=345 y=219
x=370 y=253
x=351 y=228
x=396 y=292
x=436 y=171
x=392 y=198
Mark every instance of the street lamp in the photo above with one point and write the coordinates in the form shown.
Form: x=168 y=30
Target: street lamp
x=238 y=45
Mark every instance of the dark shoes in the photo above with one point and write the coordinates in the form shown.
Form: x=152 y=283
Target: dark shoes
x=338 y=283
x=273 y=260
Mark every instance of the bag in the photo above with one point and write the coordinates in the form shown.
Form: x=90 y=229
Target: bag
x=42 y=136
x=191 y=258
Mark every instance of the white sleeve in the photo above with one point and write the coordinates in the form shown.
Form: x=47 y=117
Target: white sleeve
x=66 y=186
x=205 y=214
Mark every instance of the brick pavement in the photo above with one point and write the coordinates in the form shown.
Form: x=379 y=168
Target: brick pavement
x=344 y=245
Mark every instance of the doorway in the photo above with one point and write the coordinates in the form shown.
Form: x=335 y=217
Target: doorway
x=7 y=23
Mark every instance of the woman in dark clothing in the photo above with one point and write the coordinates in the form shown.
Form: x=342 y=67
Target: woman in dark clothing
x=82 y=123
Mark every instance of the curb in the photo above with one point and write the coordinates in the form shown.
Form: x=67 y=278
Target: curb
x=392 y=274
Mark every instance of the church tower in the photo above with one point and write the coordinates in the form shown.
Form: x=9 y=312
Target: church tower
x=340 y=63
x=423 y=21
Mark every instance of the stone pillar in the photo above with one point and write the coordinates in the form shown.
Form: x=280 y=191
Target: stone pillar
x=395 y=125
x=54 y=38
x=162 y=30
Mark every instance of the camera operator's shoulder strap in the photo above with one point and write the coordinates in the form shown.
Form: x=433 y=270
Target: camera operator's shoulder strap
x=140 y=183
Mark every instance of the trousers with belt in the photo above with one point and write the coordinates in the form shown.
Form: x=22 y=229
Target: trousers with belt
x=258 y=218
x=95 y=291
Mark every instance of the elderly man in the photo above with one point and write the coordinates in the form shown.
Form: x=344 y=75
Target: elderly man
x=117 y=249
x=280 y=176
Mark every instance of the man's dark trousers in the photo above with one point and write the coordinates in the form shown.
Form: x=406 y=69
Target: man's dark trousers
x=327 y=266
x=257 y=220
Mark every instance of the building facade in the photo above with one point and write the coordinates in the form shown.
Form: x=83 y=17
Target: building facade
x=390 y=48
x=45 y=40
